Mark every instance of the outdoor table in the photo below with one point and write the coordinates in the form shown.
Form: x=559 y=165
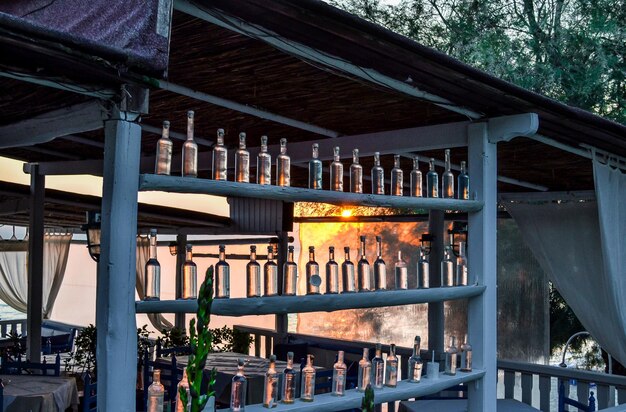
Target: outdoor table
x=39 y=393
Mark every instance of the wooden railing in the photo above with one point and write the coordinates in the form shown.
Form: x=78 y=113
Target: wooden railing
x=17 y=325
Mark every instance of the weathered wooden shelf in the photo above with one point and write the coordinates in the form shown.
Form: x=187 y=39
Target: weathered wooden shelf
x=405 y=390
x=312 y=303
x=177 y=184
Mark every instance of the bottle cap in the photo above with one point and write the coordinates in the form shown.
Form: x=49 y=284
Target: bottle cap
x=290 y=248
x=346 y=249
x=240 y=362
x=166 y=123
x=190 y=114
x=362 y=237
x=153 y=232
x=418 y=339
x=379 y=346
x=283 y=141
x=272 y=358
x=222 y=247
x=252 y=248
x=290 y=354
x=220 y=132
x=331 y=248
x=311 y=248
x=188 y=247
x=379 y=239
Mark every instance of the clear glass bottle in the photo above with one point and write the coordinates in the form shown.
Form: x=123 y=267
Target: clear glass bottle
x=378 y=368
x=461 y=266
x=220 y=157
x=378 y=176
x=432 y=180
x=423 y=270
x=152 y=274
x=184 y=385
x=270 y=274
x=451 y=353
x=164 y=151
x=332 y=272
x=356 y=173
x=415 y=362
x=339 y=376
x=238 y=389
x=156 y=392
x=307 y=389
x=190 y=150
x=416 y=179
x=447 y=180
x=348 y=279
x=315 y=169
x=363 y=270
x=336 y=172
x=283 y=165
x=397 y=177
x=270 y=385
x=253 y=275
x=264 y=164
x=242 y=161
x=288 y=389
x=190 y=275
x=463 y=183
x=365 y=371
x=380 y=268
x=313 y=279
x=466 y=356
x=222 y=275
x=290 y=274
x=402 y=273
x=391 y=368
x=447 y=267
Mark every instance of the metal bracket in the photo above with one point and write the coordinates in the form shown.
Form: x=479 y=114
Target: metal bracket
x=505 y=128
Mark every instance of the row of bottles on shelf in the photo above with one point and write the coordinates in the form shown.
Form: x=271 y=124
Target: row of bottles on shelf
x=283 y=167
x=360 y=279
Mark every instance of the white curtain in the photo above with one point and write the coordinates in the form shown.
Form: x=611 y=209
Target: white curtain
x=143 y=254
x=14 y=273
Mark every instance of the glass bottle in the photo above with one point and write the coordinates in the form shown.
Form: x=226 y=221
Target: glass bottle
x=190 y=150
x=378 y=368
x=238 y=389
x=339 y=376
x=463 y=182
x=356 y=173
x=380 y=268
x=347 y=273
x=290 y=274
x=184 y=384
x=315 y=169
x=264 y=164
x=447 y=180
x=451 y=353
x=378 y=176
x=416 y=179
x=423 y=270
x=365 y=371
x=307 y=389
x=363 y=270
x=397 y=177
x=313 y=279
x=283 y=165
x=222 y=275
x=332 y=272
x=288 y=389
x=432 y=180
x=391 y=368
x=270 y=274
x=152 y=279
x=253 y=275
x=461 y=266
x=466 y=356
x=415 y=362
x=242 y=161
x=164 y=152
x=447 y=267
x=190 y=275
x=402 y=273
x=220 y=157
x=156 y=392
x=270 y=386
x=336 y=172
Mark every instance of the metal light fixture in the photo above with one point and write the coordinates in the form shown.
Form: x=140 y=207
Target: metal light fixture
x=173 y=248
x=457 y=234
x=92 y=227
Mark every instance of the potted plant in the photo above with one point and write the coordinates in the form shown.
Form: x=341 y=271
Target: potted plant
x=83 y=359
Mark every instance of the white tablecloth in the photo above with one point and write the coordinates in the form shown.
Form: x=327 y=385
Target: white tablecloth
x=38 y=393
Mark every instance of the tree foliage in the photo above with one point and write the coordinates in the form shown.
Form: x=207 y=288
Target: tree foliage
x=570 y=50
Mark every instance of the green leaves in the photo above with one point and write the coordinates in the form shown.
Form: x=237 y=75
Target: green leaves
x=367 y=404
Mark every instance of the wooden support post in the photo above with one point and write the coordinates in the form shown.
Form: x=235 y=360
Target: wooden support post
x=435 y=309
x=181 y=240
x=115 y=298
x=482 y=328
x=34 y=311
x=281 y=320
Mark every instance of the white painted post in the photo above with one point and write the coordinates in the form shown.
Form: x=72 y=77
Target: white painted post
x=115 y=298
x=482 y=260
x=34 y=312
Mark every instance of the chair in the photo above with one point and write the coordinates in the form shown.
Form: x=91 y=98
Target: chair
x=10 y=367
x=564 y=400
x=177 y=350
x=90 y=396
x=171 y=374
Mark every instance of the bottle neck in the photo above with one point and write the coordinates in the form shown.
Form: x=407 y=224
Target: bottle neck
x=432 y=165
x=222 y=255
x=283 y=148
x=376 y=161
x=315 y=152
x=447 y=160
x=340 y=357
x=240 y=370
x=363 y=249
x=311 y=256
x=253 y=256
x=290 y=256
x=366 y=354
x=400 y=256
x=396 y=162
x=189 y=255
x=270 y=255
x=355 y=158
x=272 y=366
x=379 y=353
x=331 y=255
x=416 y=349
x=290 y=362
x=463 y=168
x=242 y=142
x=347 y=255
x=153 y=247
x=190 y=127
x=156 y=377
x=220 y=140
x=379 y=248
x=166 y=133
x=415 y=164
